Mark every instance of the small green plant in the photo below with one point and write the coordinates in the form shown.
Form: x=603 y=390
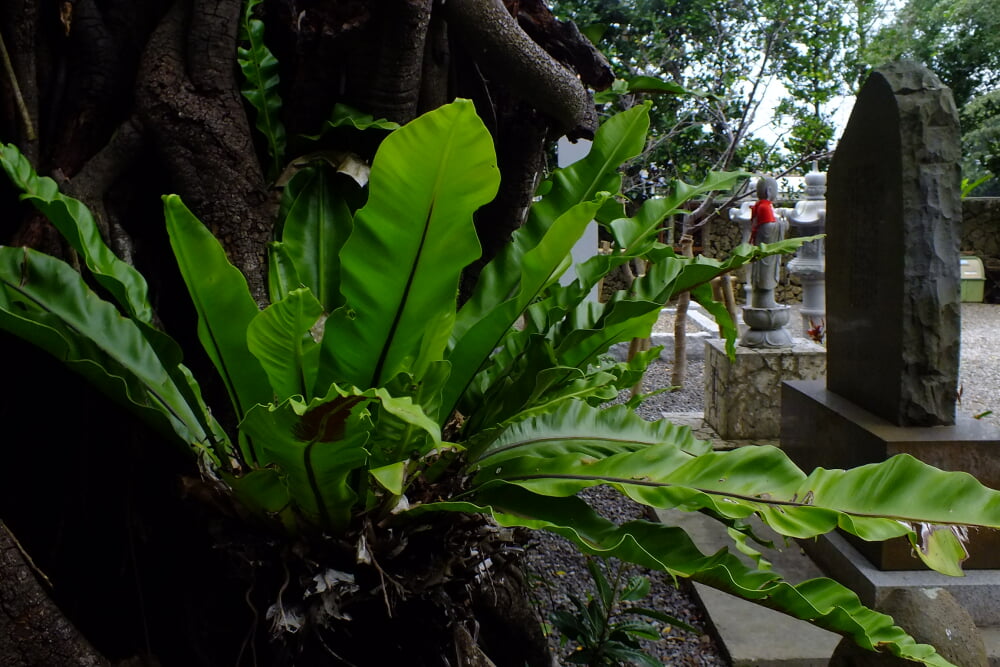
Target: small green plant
x=608 y=632
x=968 y=186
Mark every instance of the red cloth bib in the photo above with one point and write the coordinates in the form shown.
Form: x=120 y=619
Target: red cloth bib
x=761 y=213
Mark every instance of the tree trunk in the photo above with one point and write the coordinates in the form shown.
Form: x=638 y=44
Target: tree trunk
x=32 y=629
x=680 y=323
x=188 y=101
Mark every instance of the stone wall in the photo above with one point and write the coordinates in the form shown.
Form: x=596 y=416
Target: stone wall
x=980 y=236
x=981 y=226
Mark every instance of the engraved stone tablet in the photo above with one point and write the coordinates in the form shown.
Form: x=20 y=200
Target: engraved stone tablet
x=893 y=282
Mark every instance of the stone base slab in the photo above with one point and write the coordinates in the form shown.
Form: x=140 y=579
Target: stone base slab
x=978 y=591
x=822 y=429
x=743 y=397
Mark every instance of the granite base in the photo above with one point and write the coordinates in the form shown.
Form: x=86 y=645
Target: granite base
x=743 y=396
x=822 y=429
x=978 y=591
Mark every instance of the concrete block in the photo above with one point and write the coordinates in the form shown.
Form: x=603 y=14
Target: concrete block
x=753 y=635
x=743 y=396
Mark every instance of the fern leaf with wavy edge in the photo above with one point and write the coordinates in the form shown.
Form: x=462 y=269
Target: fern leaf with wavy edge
x=579 y=331
x=316 y=219
x=282 y=277
x=318 y=446
x=77 y=225
x=636 y=236
x=509 y=283
x=260 y=72
x=618 y=321
x=122 y=281
x=401 y=266
x=822 y=602
x=346 y=116
x=547 y=454
x=397 y=438
x=225 y=309
x=279 y=337
x=580 y=430
x=46 y=302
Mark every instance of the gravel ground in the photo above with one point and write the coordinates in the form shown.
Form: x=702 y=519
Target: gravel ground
x=979 y=373
x=559 y=570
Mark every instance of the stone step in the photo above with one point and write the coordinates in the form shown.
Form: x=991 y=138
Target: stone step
x=751 y=634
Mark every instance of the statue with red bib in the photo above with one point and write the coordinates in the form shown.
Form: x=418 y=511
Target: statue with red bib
x=765 y=318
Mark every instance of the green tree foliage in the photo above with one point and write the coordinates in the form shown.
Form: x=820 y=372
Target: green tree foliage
x=814 y=56
x=732 y=52
x=960 y=41
x=703 y=45
x=981 y=141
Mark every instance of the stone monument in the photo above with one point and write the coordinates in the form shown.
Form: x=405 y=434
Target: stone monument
x=808 y=218
x=894 y=205
x=893 y=302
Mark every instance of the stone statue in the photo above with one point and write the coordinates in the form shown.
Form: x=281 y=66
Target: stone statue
x=761 y=223
x=765 y=227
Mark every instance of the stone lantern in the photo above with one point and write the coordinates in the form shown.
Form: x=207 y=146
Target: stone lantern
x=808 y=218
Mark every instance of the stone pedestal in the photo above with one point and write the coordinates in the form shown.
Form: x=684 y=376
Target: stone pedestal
x=743 y=397
x=978 y=591
x=822 y=429
x=766 y=327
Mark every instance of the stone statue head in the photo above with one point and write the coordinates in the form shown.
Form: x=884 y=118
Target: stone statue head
x=767 y=188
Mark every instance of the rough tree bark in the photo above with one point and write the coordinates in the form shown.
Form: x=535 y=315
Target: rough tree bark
x=35 y=631
x=187 y=97
x=124 y=101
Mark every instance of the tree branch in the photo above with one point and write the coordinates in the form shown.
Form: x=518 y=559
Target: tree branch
x=563 y=41
x=394 y=90
x=22 y=108
x=509 y=56
x=95 y=178
x=21 y=18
